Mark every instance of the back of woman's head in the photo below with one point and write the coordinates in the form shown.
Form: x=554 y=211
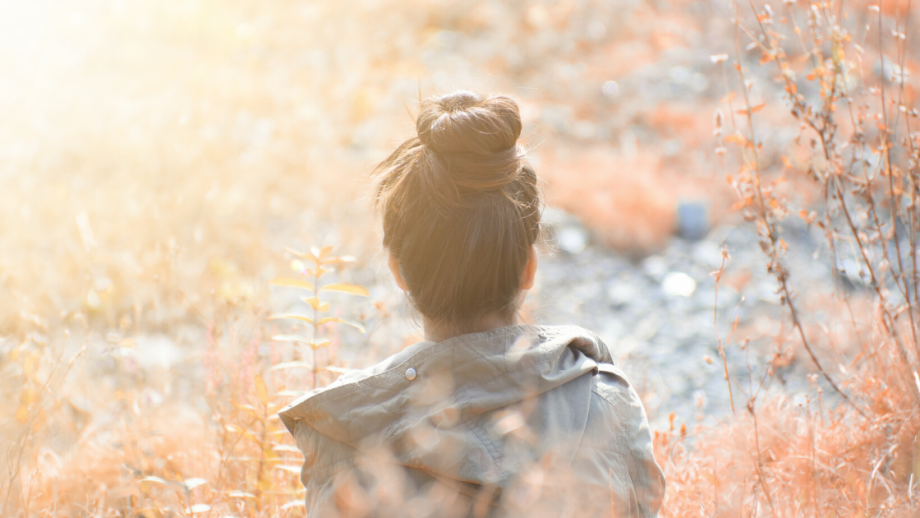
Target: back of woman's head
x=461 y=209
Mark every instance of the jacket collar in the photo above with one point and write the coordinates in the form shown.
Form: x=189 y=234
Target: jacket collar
x=461 y=377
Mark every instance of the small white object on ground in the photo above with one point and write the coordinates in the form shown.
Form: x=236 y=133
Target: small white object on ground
x=678 y=284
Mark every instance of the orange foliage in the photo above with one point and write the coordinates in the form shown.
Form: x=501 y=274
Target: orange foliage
x=629 y=198
x=625 y=200
x=149 y=190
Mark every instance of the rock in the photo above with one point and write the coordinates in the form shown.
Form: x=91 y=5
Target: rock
x=655 y=267
x=692 y=220
x=622 y=292
x=678 y=284
x=610 y=89
x=707 y=254
x=566 y=230
x=656 y=315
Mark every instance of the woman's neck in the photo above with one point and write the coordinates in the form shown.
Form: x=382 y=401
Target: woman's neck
x=438 y=332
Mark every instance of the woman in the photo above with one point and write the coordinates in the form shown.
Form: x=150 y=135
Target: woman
x=484 y=417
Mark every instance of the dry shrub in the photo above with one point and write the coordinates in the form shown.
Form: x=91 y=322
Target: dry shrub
x=149 y=192
x=849 y=448
x=628 y=198
x=783 y=456
x=622 y=198
x=102 y=469
x=145 y=453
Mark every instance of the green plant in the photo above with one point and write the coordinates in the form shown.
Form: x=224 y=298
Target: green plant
x=309 y=280
x=255 y=445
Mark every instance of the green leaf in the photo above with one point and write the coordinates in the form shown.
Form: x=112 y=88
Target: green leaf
x=326 y=320
x=303 y=255
x=291 y=282
x=316 y=304
x=292 y=316
x=320 y=253
x=353 y=289
x=319 y=271
x=319 y=344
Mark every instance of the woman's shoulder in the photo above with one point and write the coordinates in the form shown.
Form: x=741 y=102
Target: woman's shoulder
x=612 y=384
x=616 y=450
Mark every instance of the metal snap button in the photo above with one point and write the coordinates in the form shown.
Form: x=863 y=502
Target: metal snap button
x=411 y=373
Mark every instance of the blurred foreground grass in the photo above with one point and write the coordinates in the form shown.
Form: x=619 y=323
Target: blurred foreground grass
x=155 y=159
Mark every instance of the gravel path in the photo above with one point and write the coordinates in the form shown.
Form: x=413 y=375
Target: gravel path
x=656 y=314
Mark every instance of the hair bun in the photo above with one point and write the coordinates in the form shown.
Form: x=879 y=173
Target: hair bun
x=464 y=122
x=461 y=209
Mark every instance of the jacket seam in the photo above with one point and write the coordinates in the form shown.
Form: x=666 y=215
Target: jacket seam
x=352 y=387
x=483 y=383
x=486 y=442
x=584 y=428
x=604 y=397
x=396 y=367
x=494 y=455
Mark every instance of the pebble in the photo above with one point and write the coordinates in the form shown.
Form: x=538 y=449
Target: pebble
x=571 y=239
x=692 y=220
x=678 y=284
x=656 y=315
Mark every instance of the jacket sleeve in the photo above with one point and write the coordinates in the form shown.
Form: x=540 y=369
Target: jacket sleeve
x=318 y=478
x=645 y=474
x=341 y=483
x=616 y=452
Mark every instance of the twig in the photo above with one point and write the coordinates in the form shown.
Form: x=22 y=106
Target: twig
x=892 y=200
x=759 y=466
x=779 y=269
x=715 y=303
x=21 y=441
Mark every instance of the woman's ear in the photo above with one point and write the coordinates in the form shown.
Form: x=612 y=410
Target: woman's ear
x=530 y=270
x=394 y=269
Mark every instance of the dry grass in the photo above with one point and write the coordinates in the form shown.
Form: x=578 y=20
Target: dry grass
x=629 y=197
x=156 y=160
x=849 y=449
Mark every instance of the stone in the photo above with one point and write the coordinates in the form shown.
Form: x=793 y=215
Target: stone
x=678 y=284
x=692 y=220
x=571 y=239
x=655 y=267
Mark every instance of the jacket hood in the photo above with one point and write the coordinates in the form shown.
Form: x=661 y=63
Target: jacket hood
x=431 y=405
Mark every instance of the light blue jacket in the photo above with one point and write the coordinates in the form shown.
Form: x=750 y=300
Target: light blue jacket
x=517 y=421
